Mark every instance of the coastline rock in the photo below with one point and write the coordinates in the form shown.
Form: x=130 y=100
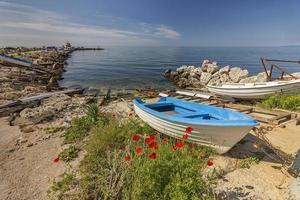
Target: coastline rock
x=236 y=74
x=205 y=77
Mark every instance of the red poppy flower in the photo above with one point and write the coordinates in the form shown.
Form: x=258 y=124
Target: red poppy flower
x=153 y=145
x=188 y=129
x=179 y=144
x=210 y=163
x=165 y=140
x=152 y=156
x=152 y=136
x=138 y=150
x=185 y=136
x=136 y=137
x=56 y=159
x=127 y=158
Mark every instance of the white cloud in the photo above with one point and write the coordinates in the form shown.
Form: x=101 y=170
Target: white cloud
x=26 y=25
x=167 y=32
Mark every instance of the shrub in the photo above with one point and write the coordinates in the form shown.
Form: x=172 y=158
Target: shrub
x=289 y=102
x=248 y=162
x=69 y=154
x=66 y=183
x=166 y=174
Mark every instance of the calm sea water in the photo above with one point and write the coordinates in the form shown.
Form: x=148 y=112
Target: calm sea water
x=126 y=68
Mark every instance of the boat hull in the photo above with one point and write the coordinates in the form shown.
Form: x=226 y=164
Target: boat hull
x=221 y=138
x=256 y=92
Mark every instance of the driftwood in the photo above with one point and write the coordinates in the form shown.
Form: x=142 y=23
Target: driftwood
x=16 y=106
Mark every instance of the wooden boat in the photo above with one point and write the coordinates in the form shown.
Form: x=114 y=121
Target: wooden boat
x=13 y=60
x=255 y=90
x=212 y=126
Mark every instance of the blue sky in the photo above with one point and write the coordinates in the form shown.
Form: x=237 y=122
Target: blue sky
x=150 y=22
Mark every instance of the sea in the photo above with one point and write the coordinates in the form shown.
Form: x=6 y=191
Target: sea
x=130 y=68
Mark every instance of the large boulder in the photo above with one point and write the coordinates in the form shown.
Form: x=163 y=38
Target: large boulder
x=296 y=74
x=225 y=69
x=205 y=77
x=236 y=74
x=181 y=69
x=261 y=77
x=183 y=82
x=204 y=63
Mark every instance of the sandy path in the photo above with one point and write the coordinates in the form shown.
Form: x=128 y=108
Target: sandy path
x=26 y=167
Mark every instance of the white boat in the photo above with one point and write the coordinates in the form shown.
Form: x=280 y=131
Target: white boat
x=212 y=126
x=255 y=90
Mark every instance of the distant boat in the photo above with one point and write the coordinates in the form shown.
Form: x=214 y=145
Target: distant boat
x=255 y=90
x=212 y=126
x=13 y=60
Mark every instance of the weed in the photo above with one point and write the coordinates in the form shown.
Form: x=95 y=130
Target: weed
x=69 y=154
x=66 y=183
x=289 y=102
x=248 y=162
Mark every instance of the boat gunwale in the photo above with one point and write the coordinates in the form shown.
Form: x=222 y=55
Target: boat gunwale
x=247 y=121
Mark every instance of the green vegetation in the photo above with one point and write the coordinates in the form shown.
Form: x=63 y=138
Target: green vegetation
x=112 y=168
x=81 y=126
x=66 y=183
x=172 y=175
x=69 y=154
x=54 y=129
x=288 y=102
x=248 y=162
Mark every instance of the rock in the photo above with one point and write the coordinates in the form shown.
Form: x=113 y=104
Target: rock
x=185 y=74
x=39 y=114
x=167 y=73
x=197 y=71
x=181 y=69
x=27 y=129
x=212 y=68
x=225 y=69
x=183 y=82
x=174 y=75
x=236 y=74
x=261 y=77
x=93 y=92
x=205 y=77
x=296 y=74
x=195 y=83
x=251 y=79
x=204 y=63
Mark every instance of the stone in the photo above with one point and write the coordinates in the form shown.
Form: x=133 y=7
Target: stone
x=225 y=69
x=195 y=83
x=236 y=74
x=181 y=69
x=204 y=63
x=212 y=68
x=174 y=75
x=251 y=79
x=261 y=77
x=92 y=92
x=27 y=129
x=183 y=82
x=205 y=77
x=197 y=71
x=167 y=73
x=296 y=74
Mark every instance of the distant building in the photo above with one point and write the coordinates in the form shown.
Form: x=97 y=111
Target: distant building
x=68 y=46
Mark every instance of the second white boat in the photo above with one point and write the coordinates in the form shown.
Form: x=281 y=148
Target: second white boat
x=255 y=90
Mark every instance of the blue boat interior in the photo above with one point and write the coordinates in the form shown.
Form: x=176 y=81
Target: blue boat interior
x=188 y=112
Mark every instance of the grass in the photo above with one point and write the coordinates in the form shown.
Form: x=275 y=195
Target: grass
x=69 y=154
x=173 y=175
x=288 y=102
x=66 y=183
x=248 y=162
x=105 y=174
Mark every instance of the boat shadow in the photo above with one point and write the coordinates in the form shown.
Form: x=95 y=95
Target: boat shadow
x=252 y=146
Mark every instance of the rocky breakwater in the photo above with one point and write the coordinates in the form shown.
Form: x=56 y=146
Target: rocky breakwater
x=19 y=81
x=211 y=73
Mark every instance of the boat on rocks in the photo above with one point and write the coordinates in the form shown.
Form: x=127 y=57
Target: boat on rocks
x=212 y=126
x=255 y=90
